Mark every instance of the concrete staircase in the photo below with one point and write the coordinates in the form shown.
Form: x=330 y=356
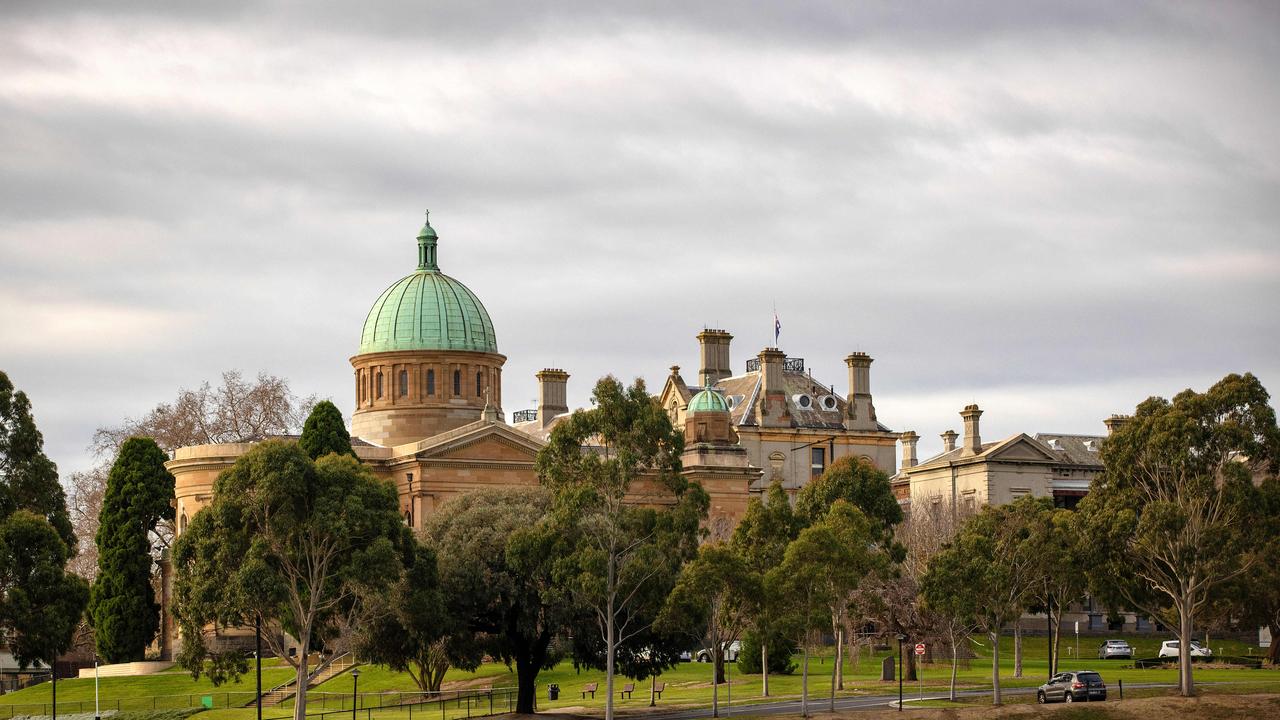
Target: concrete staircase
x=327 y=670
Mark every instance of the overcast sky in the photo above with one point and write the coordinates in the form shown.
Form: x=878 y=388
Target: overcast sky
x=1053 y=210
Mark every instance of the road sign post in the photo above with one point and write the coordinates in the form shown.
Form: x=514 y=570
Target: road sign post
x=920 y=671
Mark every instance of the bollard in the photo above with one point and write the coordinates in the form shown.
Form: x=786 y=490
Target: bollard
x=1121 y=688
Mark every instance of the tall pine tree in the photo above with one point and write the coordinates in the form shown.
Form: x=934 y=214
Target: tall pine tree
x=325 y=432
x=40 y=603
x=122 y=605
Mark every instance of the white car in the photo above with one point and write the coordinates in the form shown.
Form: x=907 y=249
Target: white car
x=730 y=653
x=1169 y=649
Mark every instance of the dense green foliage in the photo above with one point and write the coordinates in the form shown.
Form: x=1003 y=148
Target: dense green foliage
x=860 y=483
x=122 y=605
x=987 y=574
x=778 y=653
x=40 y=603
x=298 y=543
x=325 y=432
x=713 y=598
x=497 y=550
x=625 y=557
x=761 y=537
x=405 y=630
x=1171 y=521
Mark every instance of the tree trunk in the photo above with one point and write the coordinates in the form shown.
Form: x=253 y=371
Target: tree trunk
x=300 y=696
x=839 y=679
x=764 y=664
x=834 y=669
x=1017 y=648
x=804 y=680
x=718 y=654
x=610 y=648
x=653 y=690
x=911 y=674
x=955 y=660
x=715 y=679
x=527 y=684
x=994 y=637
x=1186 y=687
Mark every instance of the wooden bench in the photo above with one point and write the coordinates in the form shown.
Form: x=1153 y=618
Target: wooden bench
x=589 y=688
x=658 y=688
x=626 y=690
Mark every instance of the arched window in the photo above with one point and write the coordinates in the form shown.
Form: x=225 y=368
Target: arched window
x=457 y=383
x=379 y=391
x=431 y=382
x=479 y=388
x=182 y=524
x=404 y=383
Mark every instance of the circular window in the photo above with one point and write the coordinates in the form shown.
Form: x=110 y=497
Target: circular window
x=804 y=401
x=829 y=402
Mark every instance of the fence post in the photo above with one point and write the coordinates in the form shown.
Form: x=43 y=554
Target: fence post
x=468 y=706
x=1121 y=689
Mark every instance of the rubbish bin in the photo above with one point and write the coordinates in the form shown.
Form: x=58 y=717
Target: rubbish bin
x=553 y=692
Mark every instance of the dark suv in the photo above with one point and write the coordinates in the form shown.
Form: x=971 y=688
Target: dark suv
x=1073 y=687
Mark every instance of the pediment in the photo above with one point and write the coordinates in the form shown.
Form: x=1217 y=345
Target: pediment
x=674 y=388
x=480 y=441
x=1021 y=448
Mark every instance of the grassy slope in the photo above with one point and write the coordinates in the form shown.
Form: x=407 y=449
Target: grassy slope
x=686 y=684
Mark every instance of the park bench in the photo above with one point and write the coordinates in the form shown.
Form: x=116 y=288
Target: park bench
x=589 y=688
x=626 y=690
x=658 y=688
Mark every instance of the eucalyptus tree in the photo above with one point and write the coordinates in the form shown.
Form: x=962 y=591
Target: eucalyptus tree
x=1170 y=521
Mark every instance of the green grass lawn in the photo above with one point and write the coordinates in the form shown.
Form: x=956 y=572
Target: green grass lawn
x=686 y=684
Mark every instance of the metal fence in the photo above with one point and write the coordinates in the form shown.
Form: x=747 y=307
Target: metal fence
x=446 y=705
x=395 y=705
x=154 y=702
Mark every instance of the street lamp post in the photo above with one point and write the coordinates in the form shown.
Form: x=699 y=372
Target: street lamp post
x=901 y=638
x=97 y=710
x=355 y=691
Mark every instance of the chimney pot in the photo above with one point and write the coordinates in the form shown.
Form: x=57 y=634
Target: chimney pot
x=949 y=440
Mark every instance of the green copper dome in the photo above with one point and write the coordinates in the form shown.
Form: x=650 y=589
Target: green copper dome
x=709 y=400
x=427 y=310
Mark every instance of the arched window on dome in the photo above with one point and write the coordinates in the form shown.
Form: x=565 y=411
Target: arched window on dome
x=479 y=384
x=404 y=383
x=379 y=388
x=457 y=383
x=431 y=382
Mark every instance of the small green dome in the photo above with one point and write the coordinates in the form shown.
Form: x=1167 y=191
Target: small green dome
x=427 y=310
x=709 y=400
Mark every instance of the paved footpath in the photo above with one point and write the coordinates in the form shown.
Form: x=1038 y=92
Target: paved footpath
x=823 y=704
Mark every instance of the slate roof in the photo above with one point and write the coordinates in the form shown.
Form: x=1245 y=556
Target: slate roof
x=1074 y=449
x=742 y=391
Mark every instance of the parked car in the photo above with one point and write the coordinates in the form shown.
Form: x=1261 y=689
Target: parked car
x=730 y=653
x=1115 y=649
x=1081 y=686
x=1169 y=648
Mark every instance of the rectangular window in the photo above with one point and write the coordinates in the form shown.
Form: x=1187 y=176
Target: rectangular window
x=457 y=383
x=431 y=382
x=818 y=461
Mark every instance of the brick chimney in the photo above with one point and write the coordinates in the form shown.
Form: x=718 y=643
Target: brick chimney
x=714 y=345
x=771 y=405
x=972 y=440
x=909 y=440
x=552 y=394
x=949 y=440
x=860 y=414
x=1115 y=422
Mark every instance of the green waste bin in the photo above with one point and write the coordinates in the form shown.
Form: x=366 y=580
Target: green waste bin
x=207 y=702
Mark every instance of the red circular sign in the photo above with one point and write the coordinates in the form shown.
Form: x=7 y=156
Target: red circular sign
x=919 y=648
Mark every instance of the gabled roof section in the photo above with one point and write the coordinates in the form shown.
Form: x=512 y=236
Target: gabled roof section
x=1015 y=448
x=468 y=435
x=1069 y=449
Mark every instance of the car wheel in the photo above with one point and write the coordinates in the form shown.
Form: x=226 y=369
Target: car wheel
x=1068 y=697
x=1040 y=697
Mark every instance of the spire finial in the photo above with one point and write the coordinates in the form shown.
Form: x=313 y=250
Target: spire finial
x=427 y=246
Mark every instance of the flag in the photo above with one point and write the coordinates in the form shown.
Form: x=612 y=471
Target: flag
x=777 y=328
